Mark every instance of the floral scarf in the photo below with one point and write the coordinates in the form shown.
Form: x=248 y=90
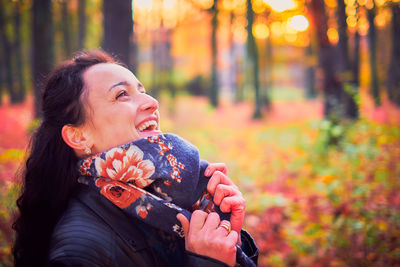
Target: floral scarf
x=152 y=179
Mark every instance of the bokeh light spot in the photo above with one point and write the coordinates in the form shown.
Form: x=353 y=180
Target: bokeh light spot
x=299 y=23
x=276 y=28
x=144 y=4
x=333 y=35
x=281 y=5
x=261 y=31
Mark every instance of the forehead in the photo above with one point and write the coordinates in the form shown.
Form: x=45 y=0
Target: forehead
x=106 y=74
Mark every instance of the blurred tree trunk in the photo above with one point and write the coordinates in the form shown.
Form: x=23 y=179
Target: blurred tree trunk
x=253 y=57
x=332 y=86
x=7 y=52
x=356 y=60
x=311 y=93
x=265 y=101
x=118 y=27
x=168 y=65
x=81 y=23
x=232 y=56
x=155 y=58
x=372 y=55
x=134 y=50
x=393 y=80
x=311 y=57
x=214 y=56
x=2 y=71
x=350 y=92
x=343 y=43
x=42 y=50
x=65 y=27
x=18 y=52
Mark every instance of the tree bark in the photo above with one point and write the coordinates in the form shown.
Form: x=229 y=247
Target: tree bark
x=332 y=86
x=18 y=52
x=232 y=56
x=81 y=23
x=7 y=52
x=311 y=93
x=214 y=56
x=265 y=101
x=118 y=28
x=356 y=60
x=350 y=92
x=393 y=80
x=343 y=43
x=65 y=27
x=372 y=56
x=253 y=56
x=155 y=58
x=42 y=50
x=134 y=58
x=2 y=72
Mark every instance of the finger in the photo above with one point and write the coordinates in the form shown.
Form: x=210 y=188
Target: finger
x=215 y=167
x=233 y=237
x=224 y=227
x=198 y=219
x=212 y=221
x=216 y=179
x=223 y=191
x=184 y=222
x=235 y=205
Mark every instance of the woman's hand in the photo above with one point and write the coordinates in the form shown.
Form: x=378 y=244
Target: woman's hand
x=226 y=195
x=205 y=236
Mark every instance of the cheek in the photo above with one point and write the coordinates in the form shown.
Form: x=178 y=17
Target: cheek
x=114 y=125
x=120 y=124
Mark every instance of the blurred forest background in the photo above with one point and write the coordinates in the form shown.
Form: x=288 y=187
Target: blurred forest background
x=299 y=98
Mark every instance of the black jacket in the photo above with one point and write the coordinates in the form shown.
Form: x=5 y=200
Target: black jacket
x=94 y=232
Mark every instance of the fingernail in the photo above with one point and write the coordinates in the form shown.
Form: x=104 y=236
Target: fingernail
x=207 y=172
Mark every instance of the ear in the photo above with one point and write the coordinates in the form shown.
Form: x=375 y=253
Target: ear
x=75 y=138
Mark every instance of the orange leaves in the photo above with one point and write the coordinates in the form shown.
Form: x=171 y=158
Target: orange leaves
x=307 y=204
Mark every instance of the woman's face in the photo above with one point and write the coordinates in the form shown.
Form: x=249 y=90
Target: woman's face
x=119 y=110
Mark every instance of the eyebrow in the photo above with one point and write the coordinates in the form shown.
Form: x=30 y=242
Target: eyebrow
x=124 y=83
x=118 y=84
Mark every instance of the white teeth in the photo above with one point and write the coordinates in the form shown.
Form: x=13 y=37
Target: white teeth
x=146 y=124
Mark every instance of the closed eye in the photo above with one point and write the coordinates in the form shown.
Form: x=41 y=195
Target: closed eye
x=121 y=94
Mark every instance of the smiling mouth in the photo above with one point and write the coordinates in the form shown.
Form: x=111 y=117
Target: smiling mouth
x=150 y=125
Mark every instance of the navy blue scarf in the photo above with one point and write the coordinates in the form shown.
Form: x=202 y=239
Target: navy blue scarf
x=152 y=179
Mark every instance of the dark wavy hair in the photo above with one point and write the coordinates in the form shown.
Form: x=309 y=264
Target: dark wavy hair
x=50 y=174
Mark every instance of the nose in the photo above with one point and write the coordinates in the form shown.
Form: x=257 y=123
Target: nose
x=149 y=104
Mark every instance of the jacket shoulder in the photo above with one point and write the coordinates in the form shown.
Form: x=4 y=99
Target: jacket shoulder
x=94 y=232
x=82 y=236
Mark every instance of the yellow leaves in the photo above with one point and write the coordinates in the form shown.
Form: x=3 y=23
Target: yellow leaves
x=326 y=197
x=383 y=140
x=11 y=155
x=382 y=225
x=327 y=179
x=6 y=251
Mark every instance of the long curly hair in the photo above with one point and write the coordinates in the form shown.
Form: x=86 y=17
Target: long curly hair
x=50 y=174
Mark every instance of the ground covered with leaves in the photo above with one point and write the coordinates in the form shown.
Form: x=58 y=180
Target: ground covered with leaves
x=310 y=201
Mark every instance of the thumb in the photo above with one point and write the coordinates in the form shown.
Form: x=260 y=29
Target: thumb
x=185 y=223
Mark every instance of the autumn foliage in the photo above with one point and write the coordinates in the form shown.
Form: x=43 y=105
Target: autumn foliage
x=309 y=203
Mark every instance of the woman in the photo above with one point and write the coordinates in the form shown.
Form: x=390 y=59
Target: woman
x=92 y=104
